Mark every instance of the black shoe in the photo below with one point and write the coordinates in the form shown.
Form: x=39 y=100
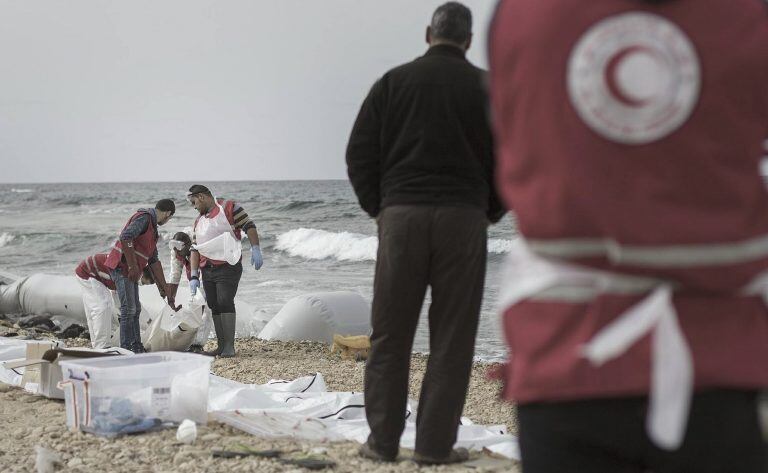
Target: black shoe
x=456 y=456
x=367 y=451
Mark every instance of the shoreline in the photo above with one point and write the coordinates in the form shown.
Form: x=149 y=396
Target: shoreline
x=36 y=421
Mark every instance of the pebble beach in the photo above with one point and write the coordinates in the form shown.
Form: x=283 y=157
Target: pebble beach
x=30 y=421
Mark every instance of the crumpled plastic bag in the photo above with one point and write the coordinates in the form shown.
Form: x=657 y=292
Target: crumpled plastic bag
x=46 y=460
x=175 y=331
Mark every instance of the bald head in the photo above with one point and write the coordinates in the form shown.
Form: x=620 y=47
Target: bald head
x=451 y=24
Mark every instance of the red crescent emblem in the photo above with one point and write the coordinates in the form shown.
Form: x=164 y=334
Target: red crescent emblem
x=611 y=76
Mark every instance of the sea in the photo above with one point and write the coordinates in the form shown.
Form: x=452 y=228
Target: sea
x=314 y=237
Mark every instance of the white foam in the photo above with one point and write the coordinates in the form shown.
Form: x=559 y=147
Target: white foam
x=494 y=358
x=277 y=282
x=22 y=191
x=6 y=238
x=499 y=246
x=104 y=211
x=313 y=244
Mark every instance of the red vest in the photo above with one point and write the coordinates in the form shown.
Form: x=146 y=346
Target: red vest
x=144 y=246
x=610 y=166
x=229 y=209
x=94 y=267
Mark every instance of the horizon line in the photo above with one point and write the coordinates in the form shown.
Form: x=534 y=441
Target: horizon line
x=168 y=182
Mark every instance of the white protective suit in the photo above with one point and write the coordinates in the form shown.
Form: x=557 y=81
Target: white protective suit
x=101 y=313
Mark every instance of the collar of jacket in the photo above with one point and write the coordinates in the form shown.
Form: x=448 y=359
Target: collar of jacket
x=216 y=202
x=446 y=50
x=152 y=216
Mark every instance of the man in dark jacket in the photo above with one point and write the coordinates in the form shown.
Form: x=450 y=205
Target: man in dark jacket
x=421 y=162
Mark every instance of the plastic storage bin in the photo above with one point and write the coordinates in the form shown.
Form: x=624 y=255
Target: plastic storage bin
x=127 y=394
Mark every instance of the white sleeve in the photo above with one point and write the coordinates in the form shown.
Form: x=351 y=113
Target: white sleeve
x=176 y=268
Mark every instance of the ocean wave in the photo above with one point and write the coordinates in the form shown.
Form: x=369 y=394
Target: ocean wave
x=106 y=211
x=277 y=282
x=22 y=191
x=55 y=244
x=313 y=244
x=71 y=201
x=499 y=246
x=300 y=205
x=6 y=238
x=491 y=359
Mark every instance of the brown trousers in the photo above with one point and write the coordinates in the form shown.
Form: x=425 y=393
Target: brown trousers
x=445 y=248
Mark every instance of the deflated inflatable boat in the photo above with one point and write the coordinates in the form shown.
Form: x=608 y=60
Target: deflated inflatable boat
x=312 y=317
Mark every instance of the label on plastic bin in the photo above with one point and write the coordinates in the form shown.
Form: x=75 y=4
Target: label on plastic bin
x=161 y=401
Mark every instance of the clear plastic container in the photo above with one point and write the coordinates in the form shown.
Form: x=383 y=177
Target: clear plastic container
x=126 y=394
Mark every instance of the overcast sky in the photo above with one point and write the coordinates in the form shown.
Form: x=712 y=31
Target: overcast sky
x=170 y=90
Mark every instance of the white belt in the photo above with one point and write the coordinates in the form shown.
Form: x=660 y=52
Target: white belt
x=528 y=276
x=120 y=250
x=655 y=256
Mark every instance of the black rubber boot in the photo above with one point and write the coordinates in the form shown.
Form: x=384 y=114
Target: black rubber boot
x=227 y=342
x=218 y=329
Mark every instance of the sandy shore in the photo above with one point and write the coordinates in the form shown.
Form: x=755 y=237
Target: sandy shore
x=29 y=421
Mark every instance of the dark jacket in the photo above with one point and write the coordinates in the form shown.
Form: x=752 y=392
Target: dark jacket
x=423 y=137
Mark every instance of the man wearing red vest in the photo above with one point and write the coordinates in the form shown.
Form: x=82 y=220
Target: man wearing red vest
x=216 y=251
x=629 y=135
x=93 y=276
x=135 y=250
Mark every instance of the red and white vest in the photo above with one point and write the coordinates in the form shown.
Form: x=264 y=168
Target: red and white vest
x=144 y=246
x=629 y=137
x=94 y=267
x=229 y=209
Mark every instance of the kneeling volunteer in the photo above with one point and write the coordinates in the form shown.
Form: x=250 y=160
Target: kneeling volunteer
x=98 y=300
x=181 y=247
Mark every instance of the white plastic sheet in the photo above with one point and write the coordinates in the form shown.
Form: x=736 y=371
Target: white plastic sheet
x=189 y=317
x=12 y=350
x=303 y=409
x=173 y=331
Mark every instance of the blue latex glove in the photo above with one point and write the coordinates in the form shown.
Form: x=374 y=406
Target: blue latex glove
x=194 y=284
x=256 y=259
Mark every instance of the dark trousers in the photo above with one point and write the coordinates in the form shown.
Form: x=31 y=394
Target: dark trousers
x=608 y=436
x=220 y=283
x=420 y=246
